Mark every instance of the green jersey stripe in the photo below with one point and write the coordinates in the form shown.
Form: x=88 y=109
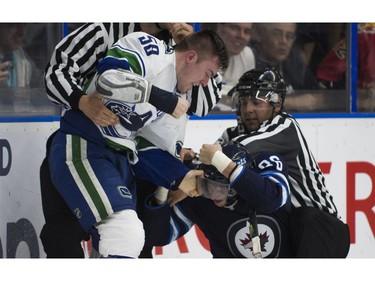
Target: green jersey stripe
x=88 y=187
x=132 y=59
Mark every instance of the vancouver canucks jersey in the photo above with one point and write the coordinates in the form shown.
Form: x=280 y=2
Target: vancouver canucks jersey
x=152 y=59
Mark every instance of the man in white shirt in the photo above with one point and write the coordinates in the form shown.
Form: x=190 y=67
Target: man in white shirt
x=236 y=37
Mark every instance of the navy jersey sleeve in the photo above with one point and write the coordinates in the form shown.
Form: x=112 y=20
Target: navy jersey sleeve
x=164 y=224
x=160 y=167
x=263 y=183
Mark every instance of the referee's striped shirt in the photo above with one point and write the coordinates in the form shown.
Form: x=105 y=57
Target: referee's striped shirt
x=76 y=57
x=284 y=136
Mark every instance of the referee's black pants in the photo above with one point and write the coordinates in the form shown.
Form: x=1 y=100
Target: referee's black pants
x=317 y=234
x=61 y=234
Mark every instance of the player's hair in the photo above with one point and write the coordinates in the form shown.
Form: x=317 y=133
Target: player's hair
x=206 y=43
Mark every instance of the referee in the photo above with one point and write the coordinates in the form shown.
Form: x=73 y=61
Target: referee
x=315 y=226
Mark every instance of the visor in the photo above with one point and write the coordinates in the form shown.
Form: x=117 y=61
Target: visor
x=212 y=189
x=262 y=95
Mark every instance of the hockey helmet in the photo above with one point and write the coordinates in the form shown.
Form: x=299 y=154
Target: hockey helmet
x=214 y=185
x=266 y=85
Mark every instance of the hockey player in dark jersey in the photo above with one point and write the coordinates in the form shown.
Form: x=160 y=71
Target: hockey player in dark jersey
x=243 y=211
x=315 y=225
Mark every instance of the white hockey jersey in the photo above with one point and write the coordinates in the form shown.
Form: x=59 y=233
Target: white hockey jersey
x=151 y=58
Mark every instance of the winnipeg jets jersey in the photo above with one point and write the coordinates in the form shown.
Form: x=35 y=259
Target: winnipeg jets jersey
x=262 y=187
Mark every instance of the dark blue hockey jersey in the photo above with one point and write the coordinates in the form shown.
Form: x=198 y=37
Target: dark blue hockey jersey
x=262 y=187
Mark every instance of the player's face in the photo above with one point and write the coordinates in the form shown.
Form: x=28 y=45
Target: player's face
x=221 y=202
x=215 y=191
x=196 y=72
x=218 y=194
x=254 y=112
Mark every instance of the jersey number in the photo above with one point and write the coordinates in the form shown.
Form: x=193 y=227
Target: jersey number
x=149 y=45
x=273 y=161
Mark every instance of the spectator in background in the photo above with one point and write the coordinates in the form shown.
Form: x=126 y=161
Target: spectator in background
x=273 y=48
x=332 y=69
x=236 y=37
x=366 y=67
x=315 y=40
x=17 y=69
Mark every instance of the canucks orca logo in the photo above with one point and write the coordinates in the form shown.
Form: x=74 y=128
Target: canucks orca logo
x=239 y=239
x=124 y=192
x=78 y=213
x=168 y=49
x=129 y=119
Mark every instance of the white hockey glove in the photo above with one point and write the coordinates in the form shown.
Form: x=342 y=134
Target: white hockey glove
x=123 y=85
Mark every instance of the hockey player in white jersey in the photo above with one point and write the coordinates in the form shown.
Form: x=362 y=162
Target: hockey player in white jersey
x=93 y=174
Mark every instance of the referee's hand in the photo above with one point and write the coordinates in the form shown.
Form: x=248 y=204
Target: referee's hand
x=92 y=106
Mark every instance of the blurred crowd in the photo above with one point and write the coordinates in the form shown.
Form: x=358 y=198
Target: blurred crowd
x=312 y=57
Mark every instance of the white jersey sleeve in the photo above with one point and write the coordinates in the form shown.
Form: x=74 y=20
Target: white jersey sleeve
x=152 y=59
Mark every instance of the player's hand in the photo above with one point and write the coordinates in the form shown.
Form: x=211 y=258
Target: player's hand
x=180 y=30
x=181 y=108
x=207 y=151
x=189 y=183
x=175 y=196
x=93 y=107
x=187 y=154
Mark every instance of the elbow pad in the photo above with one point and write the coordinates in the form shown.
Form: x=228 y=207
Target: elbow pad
x=124 y=86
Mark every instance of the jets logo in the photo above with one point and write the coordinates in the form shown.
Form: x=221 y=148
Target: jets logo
x=239 y=238
x=248 y=244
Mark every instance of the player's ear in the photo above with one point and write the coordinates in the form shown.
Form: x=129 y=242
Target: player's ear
x=191 y=56
x=277 y=107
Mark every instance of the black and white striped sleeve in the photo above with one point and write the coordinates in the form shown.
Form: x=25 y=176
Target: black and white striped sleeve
x=203 y=99
x=75 y=59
